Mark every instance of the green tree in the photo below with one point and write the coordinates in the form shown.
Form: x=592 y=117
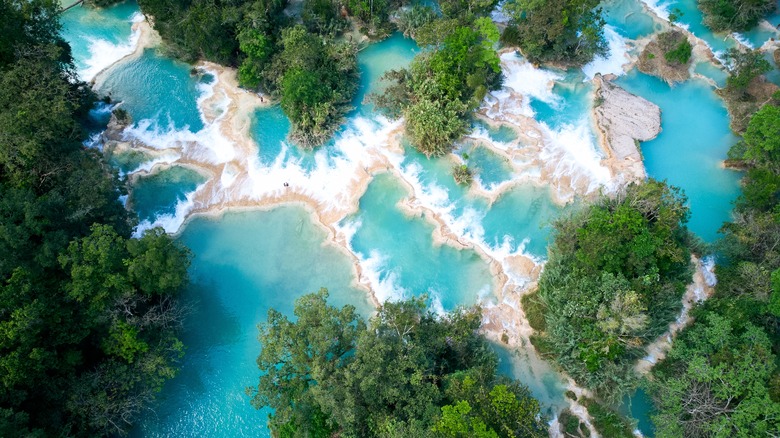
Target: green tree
x=441 y=88
x=455 y=422
x=568 y=32
x=328 y=372
x=720 y=378
x=613 y=282
x=323 y=17
x=88 y=316
x=734 y=15
x=714 y=382
x=762 y=139
x=413 y=19
x=467 y=8
x=745 y=65
x=315 y=79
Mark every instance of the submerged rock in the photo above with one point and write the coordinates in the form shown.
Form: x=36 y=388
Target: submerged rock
x=624 y=119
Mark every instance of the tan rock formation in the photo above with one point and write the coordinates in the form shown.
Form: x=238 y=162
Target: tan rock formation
x=622 y=120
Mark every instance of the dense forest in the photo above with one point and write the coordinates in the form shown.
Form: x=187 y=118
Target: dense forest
x=614 y=280
x=88 y=316
x=298 y=60
x=722 y=376
x=329 y=373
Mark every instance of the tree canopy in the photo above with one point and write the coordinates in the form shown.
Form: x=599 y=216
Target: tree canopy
x=566 y=32
x=316 y=80
x=721 y=377
x=407 y=372
x=442 y=87
x=616 y=273
x=734 y=15
x=88 y=316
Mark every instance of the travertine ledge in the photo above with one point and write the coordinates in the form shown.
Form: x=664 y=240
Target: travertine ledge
x=623 y=120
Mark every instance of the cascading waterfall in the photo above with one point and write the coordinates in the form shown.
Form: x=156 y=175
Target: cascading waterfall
x=378 y=220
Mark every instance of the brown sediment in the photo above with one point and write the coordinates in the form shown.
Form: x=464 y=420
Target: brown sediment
x=622 y=120
x=734 y=164
x=699 y=290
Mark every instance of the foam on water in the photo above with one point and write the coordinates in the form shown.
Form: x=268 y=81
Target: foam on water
x=616 y=58
x=329 y=177
x=147 y=166
x=171 y=223
x=104 y=53
x=383 y=281
x=574 y=149
x=660 y=8
x=742 y=39
x=532 y=83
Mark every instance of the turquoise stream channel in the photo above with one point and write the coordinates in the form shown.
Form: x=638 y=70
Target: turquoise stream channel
x=246 y=263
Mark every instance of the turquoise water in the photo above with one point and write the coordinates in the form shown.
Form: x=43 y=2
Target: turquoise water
x=128 y=161
x=156 y=89
x=629 y=18
x=774 y=75
x=244 y=264
x=708 y=70
x=158 y=194
x=395 y=52
x=692 y=18
x=548 y=387
x=491 y=169
x=501 y=134
x=95 y=34
x=524 y=215
x=689 y=151
x=417 y=266
x=640 y=407
x=572 y=104
x=270 y=126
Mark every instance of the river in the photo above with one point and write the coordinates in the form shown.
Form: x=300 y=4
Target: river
x=365 y=215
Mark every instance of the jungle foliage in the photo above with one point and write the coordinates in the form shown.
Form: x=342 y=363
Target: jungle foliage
x=745 y=66
x=437 y=94
x=88 y=316
x=734 y=15
x=302 y=66
x=616 y=273
x=315 y=80
x=407 y=372
x=721 y=377
x=563 y=32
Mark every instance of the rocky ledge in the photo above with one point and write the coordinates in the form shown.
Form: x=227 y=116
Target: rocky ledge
x=653 y=59
x=623 y=120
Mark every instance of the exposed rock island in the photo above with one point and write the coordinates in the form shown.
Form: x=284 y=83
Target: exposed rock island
x=622 y=120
